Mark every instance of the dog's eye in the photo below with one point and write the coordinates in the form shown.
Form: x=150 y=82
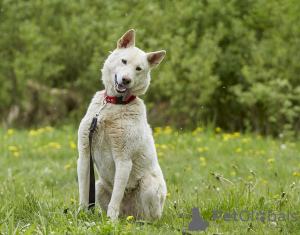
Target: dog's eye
x=124 y=61
x=138 y=68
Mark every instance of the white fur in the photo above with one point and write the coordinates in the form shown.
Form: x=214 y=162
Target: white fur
x=130 y=179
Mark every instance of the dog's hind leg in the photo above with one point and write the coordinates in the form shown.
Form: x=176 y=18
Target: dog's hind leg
x=152 y=197
x=102 y=196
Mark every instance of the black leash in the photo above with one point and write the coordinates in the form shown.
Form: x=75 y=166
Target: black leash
x=92 y=194
x=92 y=191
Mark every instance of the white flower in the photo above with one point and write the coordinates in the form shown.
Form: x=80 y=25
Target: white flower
x=281 y=135
x=283 y=146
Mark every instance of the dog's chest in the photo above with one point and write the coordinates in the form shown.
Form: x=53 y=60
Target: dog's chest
x=122 y=133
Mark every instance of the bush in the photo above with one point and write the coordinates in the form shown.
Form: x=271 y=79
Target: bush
x=233 y=63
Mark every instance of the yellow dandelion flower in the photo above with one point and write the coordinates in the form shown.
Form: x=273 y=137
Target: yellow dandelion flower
x=168 y=195
x=202 y=159
x=236 y=134
x=57 y=146
x=72 y=200
x=157 y=129
x=276 y=196
x=48 y=128
x=172 y=146
x=271 y=160
x=218 y=129
x=262 y=152
x=12 y=148
x=156 y=145
x=296 y=173
x=128 y=226
x=226 y=137
x=16 y=154
x=265 y=181
x=203 y=164
x=188 y=168
x=244 y=140
x=176 y=133
x=220 y=144
x=67 y=166
x=10 y=131
x=168 y=130
x=199 y=139
x=199 y=129
x=72 y=145
x=250 y=177
x=259 y=137
x=194 y=133
x=200 y=150
x=206 y=148
x=176 y=189
x=292 y=144
x=129 y=217
x=41 y=130
x=233 y=173
x=33 y=150
x=160 y=154
x=239 y=150
x=32 y=132
x=163 y=146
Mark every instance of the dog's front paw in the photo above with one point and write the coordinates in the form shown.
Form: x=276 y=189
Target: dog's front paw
x=82 y=208
x=113 y=213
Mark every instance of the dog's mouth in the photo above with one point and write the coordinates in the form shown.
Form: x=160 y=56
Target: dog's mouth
x=122 y=88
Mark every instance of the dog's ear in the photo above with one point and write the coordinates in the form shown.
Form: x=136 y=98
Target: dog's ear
x=154 y=58
x=127 y=40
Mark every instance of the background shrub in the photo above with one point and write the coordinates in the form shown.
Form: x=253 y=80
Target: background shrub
x=234 y=63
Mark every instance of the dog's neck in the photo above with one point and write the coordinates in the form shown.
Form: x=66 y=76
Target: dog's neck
x=117 y=100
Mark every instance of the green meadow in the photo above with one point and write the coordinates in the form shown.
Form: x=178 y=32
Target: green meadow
x=208 y=168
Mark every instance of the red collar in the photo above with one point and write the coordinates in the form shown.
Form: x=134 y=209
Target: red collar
x=118 y=100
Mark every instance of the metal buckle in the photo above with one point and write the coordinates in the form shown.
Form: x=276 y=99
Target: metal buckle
x=104 y=102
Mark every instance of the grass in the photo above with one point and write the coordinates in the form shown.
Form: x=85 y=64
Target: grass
x=39 y=188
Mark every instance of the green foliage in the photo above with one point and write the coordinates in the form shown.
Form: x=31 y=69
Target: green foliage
x=234 y=63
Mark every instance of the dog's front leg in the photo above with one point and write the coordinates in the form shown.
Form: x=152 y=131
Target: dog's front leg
x=123 y=169
x=83 y=171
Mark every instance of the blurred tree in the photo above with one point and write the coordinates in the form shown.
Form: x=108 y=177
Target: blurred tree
x=234 y=63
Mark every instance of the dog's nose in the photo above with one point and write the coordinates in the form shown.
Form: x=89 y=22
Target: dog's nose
x=126 y=80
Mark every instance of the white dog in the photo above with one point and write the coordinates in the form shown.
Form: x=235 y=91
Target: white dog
x=130 y=179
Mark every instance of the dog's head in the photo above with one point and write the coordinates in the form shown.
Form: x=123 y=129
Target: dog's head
x=126 y=71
